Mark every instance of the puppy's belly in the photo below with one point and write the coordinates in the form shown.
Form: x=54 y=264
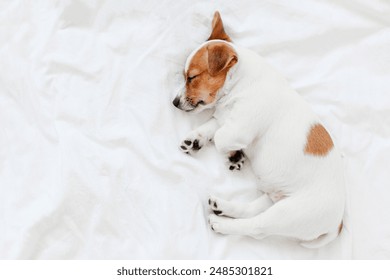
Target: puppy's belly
x=274 y=171
x=281 y=174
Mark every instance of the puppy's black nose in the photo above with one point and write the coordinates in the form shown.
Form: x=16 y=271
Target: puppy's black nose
x=176 y=102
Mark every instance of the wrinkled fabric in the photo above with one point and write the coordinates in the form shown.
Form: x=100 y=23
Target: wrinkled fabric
x=89 y=160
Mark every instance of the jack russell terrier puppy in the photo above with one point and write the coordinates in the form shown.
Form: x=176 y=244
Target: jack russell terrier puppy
x=259 y=117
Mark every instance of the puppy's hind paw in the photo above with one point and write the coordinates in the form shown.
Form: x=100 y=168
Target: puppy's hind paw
x=213 y=223
x=218 y=224
x=214 y=206
x=236 y=160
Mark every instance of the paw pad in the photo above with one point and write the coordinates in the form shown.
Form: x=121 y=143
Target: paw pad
x=214 y=206
x=190 y=146
x=236 y=160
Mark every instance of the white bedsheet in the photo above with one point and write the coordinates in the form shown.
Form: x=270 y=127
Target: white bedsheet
x=89 y=160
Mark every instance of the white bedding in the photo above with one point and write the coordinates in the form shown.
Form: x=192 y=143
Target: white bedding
x=89 y=160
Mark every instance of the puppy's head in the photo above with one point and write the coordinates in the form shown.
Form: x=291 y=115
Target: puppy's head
x=206 y=69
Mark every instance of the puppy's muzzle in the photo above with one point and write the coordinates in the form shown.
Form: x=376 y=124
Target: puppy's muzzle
x=183 y=104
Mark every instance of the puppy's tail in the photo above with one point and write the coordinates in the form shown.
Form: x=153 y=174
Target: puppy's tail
x=323 y=239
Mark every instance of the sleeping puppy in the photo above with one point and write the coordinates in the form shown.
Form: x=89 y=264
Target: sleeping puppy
x=259 y=118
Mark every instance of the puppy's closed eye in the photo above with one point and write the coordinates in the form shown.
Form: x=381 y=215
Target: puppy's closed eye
x=189 y=79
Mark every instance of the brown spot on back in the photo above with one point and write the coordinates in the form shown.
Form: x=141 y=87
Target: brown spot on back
x=340 y=227
x=319 y=142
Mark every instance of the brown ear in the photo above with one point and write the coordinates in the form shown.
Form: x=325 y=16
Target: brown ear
x=221 y=57
x=218 y=31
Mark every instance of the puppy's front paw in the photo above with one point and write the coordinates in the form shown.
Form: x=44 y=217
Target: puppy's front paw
x=191 y=144
x=236 y=160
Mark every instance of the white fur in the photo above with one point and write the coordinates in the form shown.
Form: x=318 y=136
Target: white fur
x=259 y=113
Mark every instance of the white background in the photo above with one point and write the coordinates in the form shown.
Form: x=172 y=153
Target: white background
x=89 y=159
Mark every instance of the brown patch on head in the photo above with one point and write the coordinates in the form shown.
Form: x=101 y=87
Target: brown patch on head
x=207 y=72
x=218 y=31
x=319 y=142
x=340 y=228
